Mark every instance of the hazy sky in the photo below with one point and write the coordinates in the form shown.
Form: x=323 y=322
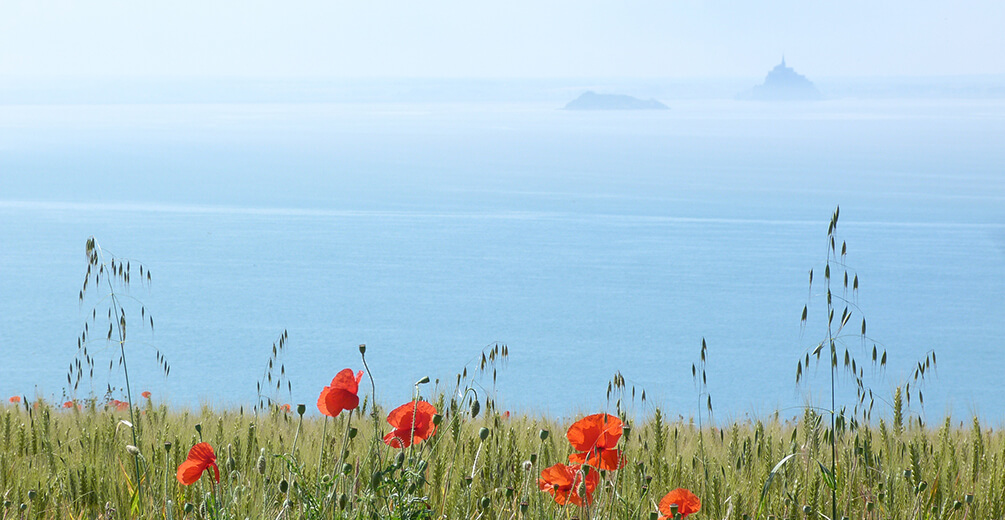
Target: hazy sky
x=496 y=39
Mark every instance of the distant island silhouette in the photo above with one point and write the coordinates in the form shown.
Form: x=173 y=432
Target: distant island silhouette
x=590 y=100
x=783 y=83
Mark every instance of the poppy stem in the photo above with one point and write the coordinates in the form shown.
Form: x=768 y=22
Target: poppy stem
x=345 y=442
x=373 y=404
x=321 y=456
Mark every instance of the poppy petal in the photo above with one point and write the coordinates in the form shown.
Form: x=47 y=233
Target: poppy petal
x=686 y=501
x=338 y=399
x=345 y=380
x=397 y=439
x=189 y=472
x=322 y=401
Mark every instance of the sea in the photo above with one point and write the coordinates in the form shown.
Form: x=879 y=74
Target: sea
x=594 y=245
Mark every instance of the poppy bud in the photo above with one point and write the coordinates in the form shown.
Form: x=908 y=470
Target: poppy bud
x=483 y=433
x=881 y=496
x=422 y=466
x=23 y=506
x=626 y=430
x=346 y=468
x=133 y=450
x=543 y=434
x=352 y=432
x=343 y=500
x=167 y=447
x=261 y=463
x=533 y=458
x=189 y=507
x=869 y=506
x=32 y=494
x=922 y=486
x=957 y=505
x=968 y=498
x=284 y=486
x=437 y=419
x=399 y=459
x=654 y=515
x=907 y=473
x=422 y=381
x=198 y=428
x=362 y=349
x=807 y=510
x=486 y=502
x=475 y=408
x=375 y=479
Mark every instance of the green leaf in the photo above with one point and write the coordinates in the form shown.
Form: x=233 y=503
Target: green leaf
x=767 y=483
x=828 y=476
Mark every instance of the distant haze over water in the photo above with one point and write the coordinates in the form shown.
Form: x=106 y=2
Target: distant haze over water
x=587 y=242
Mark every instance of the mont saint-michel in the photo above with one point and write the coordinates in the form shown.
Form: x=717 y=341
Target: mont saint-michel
x=783 y=83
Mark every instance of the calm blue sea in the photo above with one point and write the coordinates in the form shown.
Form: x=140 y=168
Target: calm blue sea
x=587 y=242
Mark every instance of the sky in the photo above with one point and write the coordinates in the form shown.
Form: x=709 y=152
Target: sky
x=498 y=39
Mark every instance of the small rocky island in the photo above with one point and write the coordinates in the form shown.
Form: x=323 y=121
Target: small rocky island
x=783 y=84
x=592 y=101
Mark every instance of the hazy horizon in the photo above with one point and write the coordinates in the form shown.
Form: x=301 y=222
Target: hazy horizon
x=520 y=39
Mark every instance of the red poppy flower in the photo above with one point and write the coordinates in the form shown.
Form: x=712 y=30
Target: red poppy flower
x=68 y=404
x=412 y=422
x=596 y=436
x=342 y=394
x=200 y=458
x=120 y=405
x=286 y=408
x=146 y=395
x=686 y=502
x=15 y=399
x=564 y=482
